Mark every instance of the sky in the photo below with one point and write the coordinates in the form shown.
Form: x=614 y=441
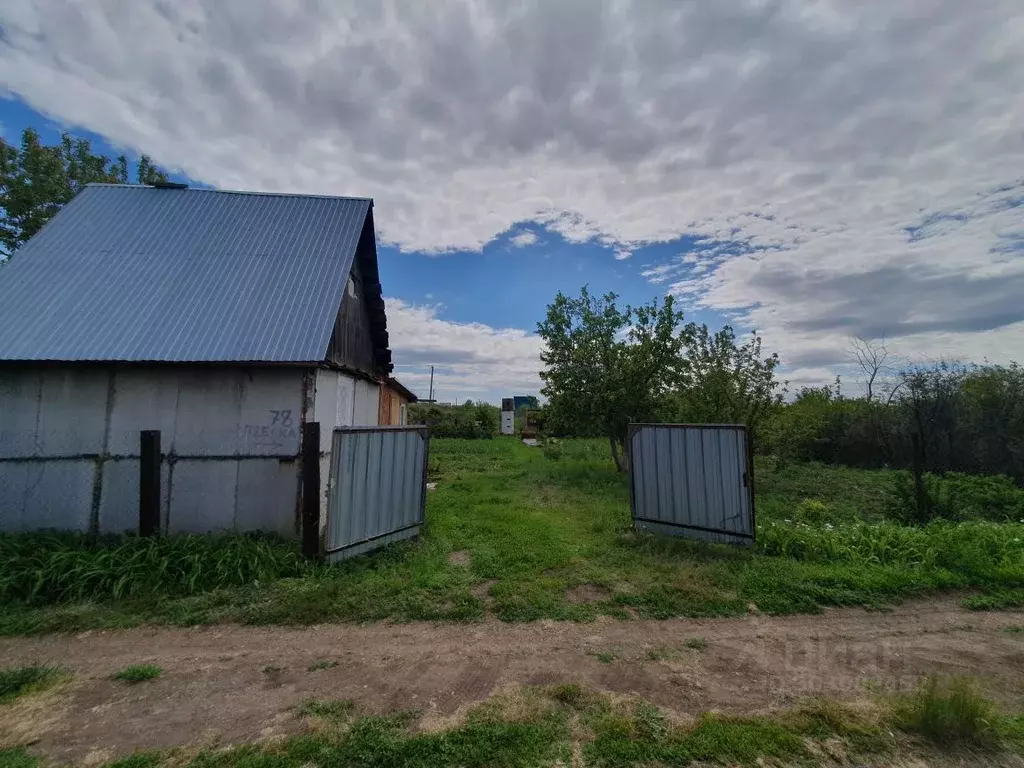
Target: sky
x=812 y=170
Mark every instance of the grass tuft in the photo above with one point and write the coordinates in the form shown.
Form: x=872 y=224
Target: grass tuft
x=20 y=681
x=947 y=712
x=328 y=709
x=322 y=664
x=696 y=643
x=137 y=673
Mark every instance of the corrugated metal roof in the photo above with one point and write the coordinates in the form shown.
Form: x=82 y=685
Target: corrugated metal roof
x=132 y=273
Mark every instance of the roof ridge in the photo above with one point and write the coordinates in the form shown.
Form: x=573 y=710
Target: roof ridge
x=235 y=191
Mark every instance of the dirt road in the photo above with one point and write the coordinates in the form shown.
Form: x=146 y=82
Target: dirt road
x=230 y=684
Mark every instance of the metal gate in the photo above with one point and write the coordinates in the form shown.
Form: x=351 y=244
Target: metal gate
x=693 y=480
x=378 y=488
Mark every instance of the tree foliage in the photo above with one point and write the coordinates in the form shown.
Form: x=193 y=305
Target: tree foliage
x=36 y=180
x=607 y=367
x=724 y=381
x=469 y=420
x=967 y=419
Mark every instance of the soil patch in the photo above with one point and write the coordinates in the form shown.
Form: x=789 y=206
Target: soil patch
x=461 y=558
x=587 y=593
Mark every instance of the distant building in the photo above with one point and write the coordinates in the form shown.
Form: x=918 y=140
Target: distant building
x=508 y=416
x=225 y=320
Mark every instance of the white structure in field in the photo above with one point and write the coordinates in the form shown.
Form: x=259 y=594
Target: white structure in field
x=508 y=416
x=225 y=320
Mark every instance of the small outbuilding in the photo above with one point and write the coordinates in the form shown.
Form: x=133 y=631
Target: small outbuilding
x=226 y=320
x=394 y=401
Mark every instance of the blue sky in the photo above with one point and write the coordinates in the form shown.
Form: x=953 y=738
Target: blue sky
x=814 y=170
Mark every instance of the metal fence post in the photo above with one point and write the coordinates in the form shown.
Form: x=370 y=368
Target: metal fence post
x=149 y=482
x=311 y=490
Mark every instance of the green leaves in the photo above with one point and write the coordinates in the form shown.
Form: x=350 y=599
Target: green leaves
x=607 y=368
x=37 y=180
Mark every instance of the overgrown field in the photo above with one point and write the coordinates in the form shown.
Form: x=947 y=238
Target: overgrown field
x=529 y=533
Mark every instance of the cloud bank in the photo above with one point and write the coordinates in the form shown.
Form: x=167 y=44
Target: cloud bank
x=472 y=360
x=846 y=167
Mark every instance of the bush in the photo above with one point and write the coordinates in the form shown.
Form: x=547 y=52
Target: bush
x=967 y=419
x=464 y=421
x=957 y=496
x=44 y=568
x=552 y=450
x=812 y=512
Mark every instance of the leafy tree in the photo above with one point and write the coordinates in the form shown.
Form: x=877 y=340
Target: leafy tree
x=725 y=382
x=36 y=180
x=607 y=367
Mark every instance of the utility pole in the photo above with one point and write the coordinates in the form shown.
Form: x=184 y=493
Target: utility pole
x=430 y=397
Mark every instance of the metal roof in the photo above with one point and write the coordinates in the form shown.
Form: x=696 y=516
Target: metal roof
x=134 y=273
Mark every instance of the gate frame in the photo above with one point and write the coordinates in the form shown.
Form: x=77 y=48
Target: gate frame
x=424 y=432
x=748 y=477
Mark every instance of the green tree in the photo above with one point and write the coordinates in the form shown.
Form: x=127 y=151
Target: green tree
x=36 y=180
x=723 y=381
x=606 y=368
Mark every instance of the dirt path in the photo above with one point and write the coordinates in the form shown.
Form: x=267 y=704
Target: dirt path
x=229 y=684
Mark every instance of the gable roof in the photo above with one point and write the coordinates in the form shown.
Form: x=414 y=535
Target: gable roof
x=144 y=274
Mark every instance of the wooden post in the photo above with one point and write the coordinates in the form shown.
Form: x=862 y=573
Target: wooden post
x=311 y=490
x=149 y=482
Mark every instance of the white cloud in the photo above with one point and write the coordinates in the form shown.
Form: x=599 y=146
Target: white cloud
x=523 y=238
x=621 y=254
x=846 y=166
x=471 y=360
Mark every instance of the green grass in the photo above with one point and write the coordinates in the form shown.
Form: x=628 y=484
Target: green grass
x=17 y=758
x=21 y=681
x=137 y=673
x=534 y=527
x=45 y=568
x=322 y=664
x=948 y=712
x=996 y=600
x=332 y=709
x=696 y=643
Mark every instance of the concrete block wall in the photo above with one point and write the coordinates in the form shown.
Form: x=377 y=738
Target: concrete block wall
x=69 y=446
x=340 y=401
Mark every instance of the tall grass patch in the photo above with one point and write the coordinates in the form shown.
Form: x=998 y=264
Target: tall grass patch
x=20 y=681
x=948 y=712
x=65 y=567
